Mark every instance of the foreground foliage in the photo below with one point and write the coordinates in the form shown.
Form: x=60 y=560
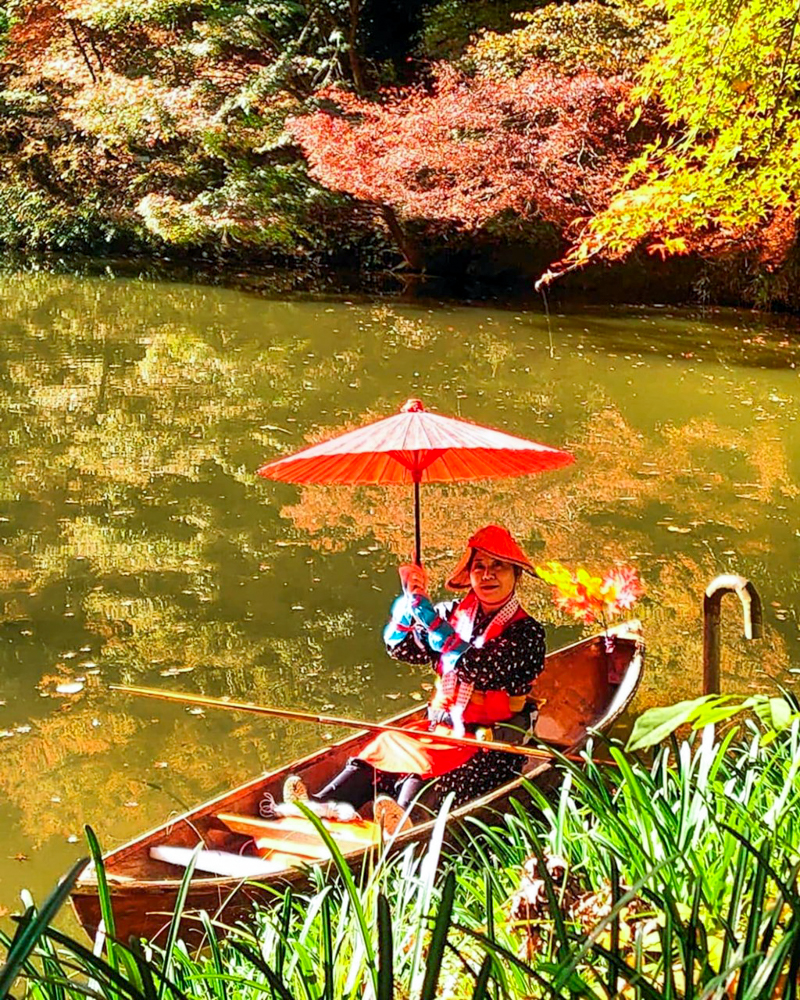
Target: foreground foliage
x=675 y=879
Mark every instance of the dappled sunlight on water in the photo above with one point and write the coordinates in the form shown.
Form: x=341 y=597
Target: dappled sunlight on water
x=139 y=546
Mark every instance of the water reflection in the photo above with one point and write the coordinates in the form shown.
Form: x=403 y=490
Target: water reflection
x=138 y=546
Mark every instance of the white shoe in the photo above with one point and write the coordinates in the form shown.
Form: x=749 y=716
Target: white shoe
x=294 y=789
x=390 y=816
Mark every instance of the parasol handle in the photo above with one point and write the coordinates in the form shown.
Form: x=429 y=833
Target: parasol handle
x=417 y=533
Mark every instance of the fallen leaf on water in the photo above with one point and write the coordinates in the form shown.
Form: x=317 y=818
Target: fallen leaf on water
x=70 y=687
x=18 y=857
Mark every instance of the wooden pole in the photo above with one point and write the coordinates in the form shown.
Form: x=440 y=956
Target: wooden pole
x=331 y=720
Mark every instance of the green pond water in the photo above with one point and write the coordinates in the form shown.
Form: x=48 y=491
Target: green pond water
x=137 y=544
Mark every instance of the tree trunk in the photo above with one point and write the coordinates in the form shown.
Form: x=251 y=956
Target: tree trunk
x=352 y=39
x=408 y=248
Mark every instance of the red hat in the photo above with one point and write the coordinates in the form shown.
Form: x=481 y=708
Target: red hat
x=499 y=543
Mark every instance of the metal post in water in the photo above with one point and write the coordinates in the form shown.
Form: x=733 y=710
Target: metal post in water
x=728 y=583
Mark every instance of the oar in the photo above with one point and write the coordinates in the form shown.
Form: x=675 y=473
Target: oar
x=329 y=720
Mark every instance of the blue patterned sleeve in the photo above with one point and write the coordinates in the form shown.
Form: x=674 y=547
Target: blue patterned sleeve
x=441 y=636
x=405 y=639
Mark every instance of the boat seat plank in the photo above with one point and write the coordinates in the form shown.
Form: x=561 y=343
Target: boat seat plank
x=309 y=852
x=363 y=831
x=217 y=862
x=300 y=831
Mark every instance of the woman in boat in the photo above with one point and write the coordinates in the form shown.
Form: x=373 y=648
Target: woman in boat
x=486 y=650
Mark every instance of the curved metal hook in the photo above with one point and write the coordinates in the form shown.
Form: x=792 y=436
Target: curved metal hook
x=728 y=583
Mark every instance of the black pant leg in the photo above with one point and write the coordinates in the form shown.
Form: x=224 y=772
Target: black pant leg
x=409 y=788
x=354 y=784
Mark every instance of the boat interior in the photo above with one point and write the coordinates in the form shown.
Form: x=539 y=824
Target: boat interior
x=584 y=686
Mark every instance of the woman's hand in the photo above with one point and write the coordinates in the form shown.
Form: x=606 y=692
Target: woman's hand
x=413 y=578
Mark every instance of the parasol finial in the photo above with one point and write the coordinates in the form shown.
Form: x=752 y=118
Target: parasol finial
x=412 y=406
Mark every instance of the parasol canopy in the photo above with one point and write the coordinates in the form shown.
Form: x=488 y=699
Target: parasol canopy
x=416 y=446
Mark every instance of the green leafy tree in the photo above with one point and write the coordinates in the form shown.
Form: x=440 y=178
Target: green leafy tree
x=724 y=175
x=610 y=38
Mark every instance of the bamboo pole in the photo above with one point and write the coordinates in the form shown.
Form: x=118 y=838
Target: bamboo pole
x=331 y=720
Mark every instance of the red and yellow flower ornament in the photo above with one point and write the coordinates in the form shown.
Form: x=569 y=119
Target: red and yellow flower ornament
x=592 y=598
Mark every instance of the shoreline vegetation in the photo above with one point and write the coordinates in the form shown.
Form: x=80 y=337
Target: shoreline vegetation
x=666 y=876
x=623 y=149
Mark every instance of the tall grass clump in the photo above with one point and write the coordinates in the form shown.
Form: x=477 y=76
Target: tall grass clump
x=673 y=878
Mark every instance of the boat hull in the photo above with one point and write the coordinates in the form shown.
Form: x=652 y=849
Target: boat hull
x=584 y=687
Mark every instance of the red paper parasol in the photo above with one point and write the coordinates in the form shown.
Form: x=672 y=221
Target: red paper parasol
x=416 y=446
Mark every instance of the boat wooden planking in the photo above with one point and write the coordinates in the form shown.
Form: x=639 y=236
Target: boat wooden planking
x=584 y=686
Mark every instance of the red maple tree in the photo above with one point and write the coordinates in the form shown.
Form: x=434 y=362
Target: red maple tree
x=466 y=149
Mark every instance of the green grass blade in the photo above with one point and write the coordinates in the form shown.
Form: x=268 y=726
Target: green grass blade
x=482 y=982
x=352 y=893
x=573 y=960
x=385 y=950
x=145 y=970
x=552 y=897
x=283 y=933
x=500 y=952
x=632 y=977
x=36 y=924
x=790 y=893
x=736 y=900
x=428 y=872
x=258 y=962
x=790 y=989
x=438 y=941
x=690 y=945
x=95 y=965
x=751 y=933
x=667 y=951
x=327 y=948
x=611 y=981
x=175 y=923
x=220 y=986
x=103 y=893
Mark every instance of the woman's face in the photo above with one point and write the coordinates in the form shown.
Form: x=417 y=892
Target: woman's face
x=493 y=580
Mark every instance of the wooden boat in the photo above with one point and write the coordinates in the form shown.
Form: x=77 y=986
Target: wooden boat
x=584 y=686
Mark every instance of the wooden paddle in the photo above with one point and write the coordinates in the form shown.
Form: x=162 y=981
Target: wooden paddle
x=333 y=720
